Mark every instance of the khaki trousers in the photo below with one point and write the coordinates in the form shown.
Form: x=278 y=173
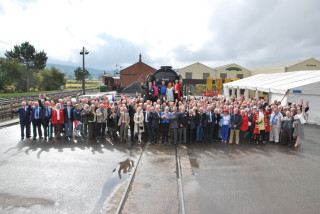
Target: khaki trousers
x=232 y=132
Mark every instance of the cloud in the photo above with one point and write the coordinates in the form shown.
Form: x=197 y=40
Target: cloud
x=175 y=33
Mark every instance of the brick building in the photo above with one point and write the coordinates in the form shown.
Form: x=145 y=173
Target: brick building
x=136 y=72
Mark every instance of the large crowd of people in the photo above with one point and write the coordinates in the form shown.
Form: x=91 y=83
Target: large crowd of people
x=163 y=115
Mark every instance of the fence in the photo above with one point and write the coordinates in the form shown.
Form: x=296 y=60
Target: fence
x=7 y=103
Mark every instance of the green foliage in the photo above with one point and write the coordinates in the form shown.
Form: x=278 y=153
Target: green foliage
x=234 y=68
x=27 y=55
x=9 y=71
x=202 y=87
x=79 y=74
x=51 y=79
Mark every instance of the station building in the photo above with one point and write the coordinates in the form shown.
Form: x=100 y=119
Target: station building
x=298 y=65
x=136 y=72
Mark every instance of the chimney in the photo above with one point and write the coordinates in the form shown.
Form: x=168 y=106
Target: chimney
x=140 y=57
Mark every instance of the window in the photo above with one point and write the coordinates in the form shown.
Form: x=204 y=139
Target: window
x=206 y=75
x=240 y=76
x=223 y=76
x=188 y=75
x=312 y=65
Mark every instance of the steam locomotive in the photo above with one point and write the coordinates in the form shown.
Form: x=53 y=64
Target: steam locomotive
x=165 y=73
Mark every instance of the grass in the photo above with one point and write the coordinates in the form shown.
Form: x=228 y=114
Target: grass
x=70 y=86
x=22 y=94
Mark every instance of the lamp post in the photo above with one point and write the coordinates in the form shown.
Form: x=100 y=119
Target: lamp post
x=83 y=52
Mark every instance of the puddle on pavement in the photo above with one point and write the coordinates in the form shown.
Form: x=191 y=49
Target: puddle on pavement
x=120 y=175
x=7 y=200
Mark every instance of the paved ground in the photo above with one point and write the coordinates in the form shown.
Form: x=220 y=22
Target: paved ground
x=77 y=177
x=257 y=178
x=59 y=177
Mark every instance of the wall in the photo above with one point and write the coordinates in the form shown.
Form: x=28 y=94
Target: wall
x=197 y=70
x=303 y=65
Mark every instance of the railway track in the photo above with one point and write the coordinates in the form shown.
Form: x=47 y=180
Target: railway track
x=128 y=190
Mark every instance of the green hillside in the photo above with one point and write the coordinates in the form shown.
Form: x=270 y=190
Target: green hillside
x=69 y=70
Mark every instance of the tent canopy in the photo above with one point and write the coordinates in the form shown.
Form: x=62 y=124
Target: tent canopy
x=276 y=83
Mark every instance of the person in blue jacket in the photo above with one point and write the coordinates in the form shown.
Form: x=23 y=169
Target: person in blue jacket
x=36 y=120
x=24 y=112
x=163 y=89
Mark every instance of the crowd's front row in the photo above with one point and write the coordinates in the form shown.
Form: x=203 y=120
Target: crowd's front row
x=191 y=120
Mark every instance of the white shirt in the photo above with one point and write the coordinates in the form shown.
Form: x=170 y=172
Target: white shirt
x=261 y=115
x=58 y=114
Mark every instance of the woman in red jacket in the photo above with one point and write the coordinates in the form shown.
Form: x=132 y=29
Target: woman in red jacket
x=57 y=120
x=244 y=124
x=176 y=87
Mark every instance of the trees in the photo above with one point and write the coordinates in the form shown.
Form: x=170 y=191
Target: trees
x=79 y=74
x=52 y=79
x=27 y=55
x=9 y=71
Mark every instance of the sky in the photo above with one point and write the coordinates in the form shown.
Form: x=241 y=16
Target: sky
x=167 y=32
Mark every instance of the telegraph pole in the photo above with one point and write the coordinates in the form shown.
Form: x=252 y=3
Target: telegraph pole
x=83 y=52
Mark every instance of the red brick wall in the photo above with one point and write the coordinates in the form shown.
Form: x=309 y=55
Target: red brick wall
x=135 y=73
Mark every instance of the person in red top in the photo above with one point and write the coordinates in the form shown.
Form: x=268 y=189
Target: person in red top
x=176 y=93
x=262 y=126
x=244 y=124
x=57 y=120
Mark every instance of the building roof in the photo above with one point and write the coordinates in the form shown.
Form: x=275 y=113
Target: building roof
x=277 y=82
x=228 y=65
x=136 y=67
x=279 y=65
x=197 y=63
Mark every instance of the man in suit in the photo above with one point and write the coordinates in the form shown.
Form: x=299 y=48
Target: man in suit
x=36 y=120
x=124 y=123
x=149 y=91
x=68 y=119
x=155 y=125
x=45 y=116
x=183 y=125
x=208 y=125
x=147 y=130
x=24 y=112
x=235 y=123
x=102 y=114
x=174 y=124
x=132 y=111
x=251 y=124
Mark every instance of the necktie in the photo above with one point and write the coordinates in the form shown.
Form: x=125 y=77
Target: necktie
x=47 y=115
x=37 y=110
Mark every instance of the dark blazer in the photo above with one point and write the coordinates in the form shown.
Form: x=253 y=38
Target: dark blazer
x=33 y=112
x=24 y=113
x=183 y=120
x=205 y=122
x=192 y=119
x=217 y=118
x=155 y=119
x=236 y=119
x=44 y=110
x=149 y=92
x=76 y=114
x=203 y=117
x=65 y=112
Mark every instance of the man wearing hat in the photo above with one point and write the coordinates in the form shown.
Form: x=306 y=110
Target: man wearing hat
x=261 y=123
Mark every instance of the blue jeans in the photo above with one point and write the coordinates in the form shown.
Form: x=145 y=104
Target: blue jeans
x=68 y=127
x=224 y=132
x=199 y=133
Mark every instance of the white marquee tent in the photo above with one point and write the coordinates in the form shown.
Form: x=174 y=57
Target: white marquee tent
x=285 y=87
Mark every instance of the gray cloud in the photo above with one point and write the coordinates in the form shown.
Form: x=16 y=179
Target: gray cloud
x=259 y=32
